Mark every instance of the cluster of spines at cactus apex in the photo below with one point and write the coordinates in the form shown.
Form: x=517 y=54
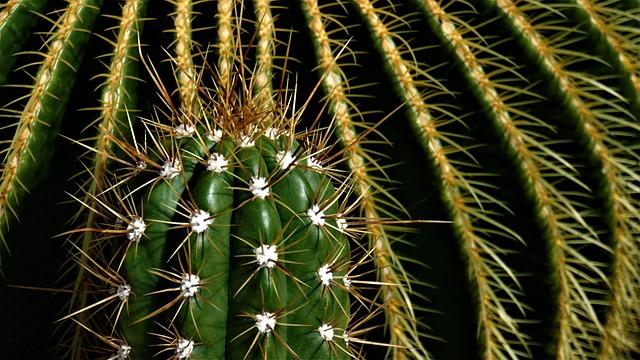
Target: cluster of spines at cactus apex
x=218 y=239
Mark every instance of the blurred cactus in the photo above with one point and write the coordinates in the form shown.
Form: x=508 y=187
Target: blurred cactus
x=513 y=123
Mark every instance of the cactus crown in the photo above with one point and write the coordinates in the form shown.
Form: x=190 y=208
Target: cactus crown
x=234 y=194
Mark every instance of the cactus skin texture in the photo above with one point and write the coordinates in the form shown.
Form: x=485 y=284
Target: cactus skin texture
x=248 y=171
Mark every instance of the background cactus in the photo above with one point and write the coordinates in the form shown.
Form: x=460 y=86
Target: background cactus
x=514 y=121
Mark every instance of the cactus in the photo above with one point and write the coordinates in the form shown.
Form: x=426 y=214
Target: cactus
x=325 y=179
x=259 y=245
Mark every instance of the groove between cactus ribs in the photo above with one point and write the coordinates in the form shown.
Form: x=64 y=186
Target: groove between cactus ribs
x=398 y=308
x=620 y=326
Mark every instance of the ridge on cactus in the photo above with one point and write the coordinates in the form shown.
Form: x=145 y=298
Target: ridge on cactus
x=236 y=194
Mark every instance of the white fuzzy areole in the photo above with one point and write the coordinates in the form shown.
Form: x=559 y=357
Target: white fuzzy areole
x=170 y=169
x=246 y=140
x=123 y=352
x=184 y=130
x=325 y=274
x=285 y=159
x=200 y=221
x=326 y=332
x=346 y=281
x=215 y=135
x=184 y=349
x=259 y=187
x=189 y=285
x=217 y=163
x=265 y=322
x=136 y=229
x=123 y=291
x=314 y=163
x=266 y=256
x=342 y=225
x=271 y=133
x=141 y=165
x=316 y=215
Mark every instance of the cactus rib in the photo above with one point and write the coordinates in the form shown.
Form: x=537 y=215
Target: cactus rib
x=619 y=181
x=576 y=316
x=205 y=321
x=483 y=257
x=27 y=157
x=226 y=42
x=265 y=49
x=185 y=71
x=159 y=206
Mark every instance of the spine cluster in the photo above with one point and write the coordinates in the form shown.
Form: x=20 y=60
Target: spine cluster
x=232 y=241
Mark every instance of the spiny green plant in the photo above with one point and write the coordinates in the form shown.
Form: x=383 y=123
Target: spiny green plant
x=518 y=124
x=252 y=229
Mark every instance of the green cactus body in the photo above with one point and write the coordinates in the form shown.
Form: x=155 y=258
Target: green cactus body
x=254 y=252
x=254 y=208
